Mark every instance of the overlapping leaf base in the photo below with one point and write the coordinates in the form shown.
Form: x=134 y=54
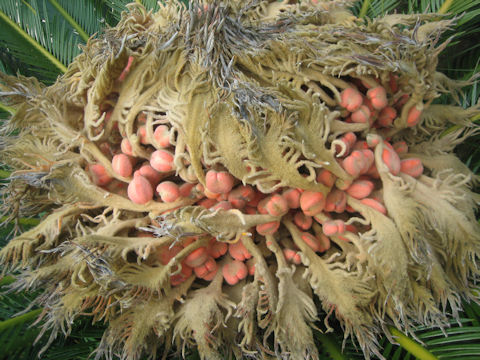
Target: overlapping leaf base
x=303 y=140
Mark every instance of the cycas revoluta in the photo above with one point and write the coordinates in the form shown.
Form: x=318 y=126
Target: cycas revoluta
x=300 y=139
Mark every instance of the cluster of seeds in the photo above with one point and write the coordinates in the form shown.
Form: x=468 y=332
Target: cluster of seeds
x=153 y=177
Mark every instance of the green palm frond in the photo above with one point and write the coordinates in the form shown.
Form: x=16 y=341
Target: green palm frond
x=16 y=342
x=6 y=109
x=16 y=338
x=36 y=38
x=330 y=347
x=460 y=341
x=114 y=9
x=375 y=8
x=77 y=13
x=150 y=4
x=426 y=5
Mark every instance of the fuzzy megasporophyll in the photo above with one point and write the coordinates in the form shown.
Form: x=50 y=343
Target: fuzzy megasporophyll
x=210 y=174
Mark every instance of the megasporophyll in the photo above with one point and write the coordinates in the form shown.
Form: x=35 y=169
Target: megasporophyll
x=230 y=174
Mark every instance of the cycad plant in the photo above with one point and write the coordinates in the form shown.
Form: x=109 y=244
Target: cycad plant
x=310 y=99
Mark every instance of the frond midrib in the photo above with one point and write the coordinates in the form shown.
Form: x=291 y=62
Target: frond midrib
x=44 y=52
